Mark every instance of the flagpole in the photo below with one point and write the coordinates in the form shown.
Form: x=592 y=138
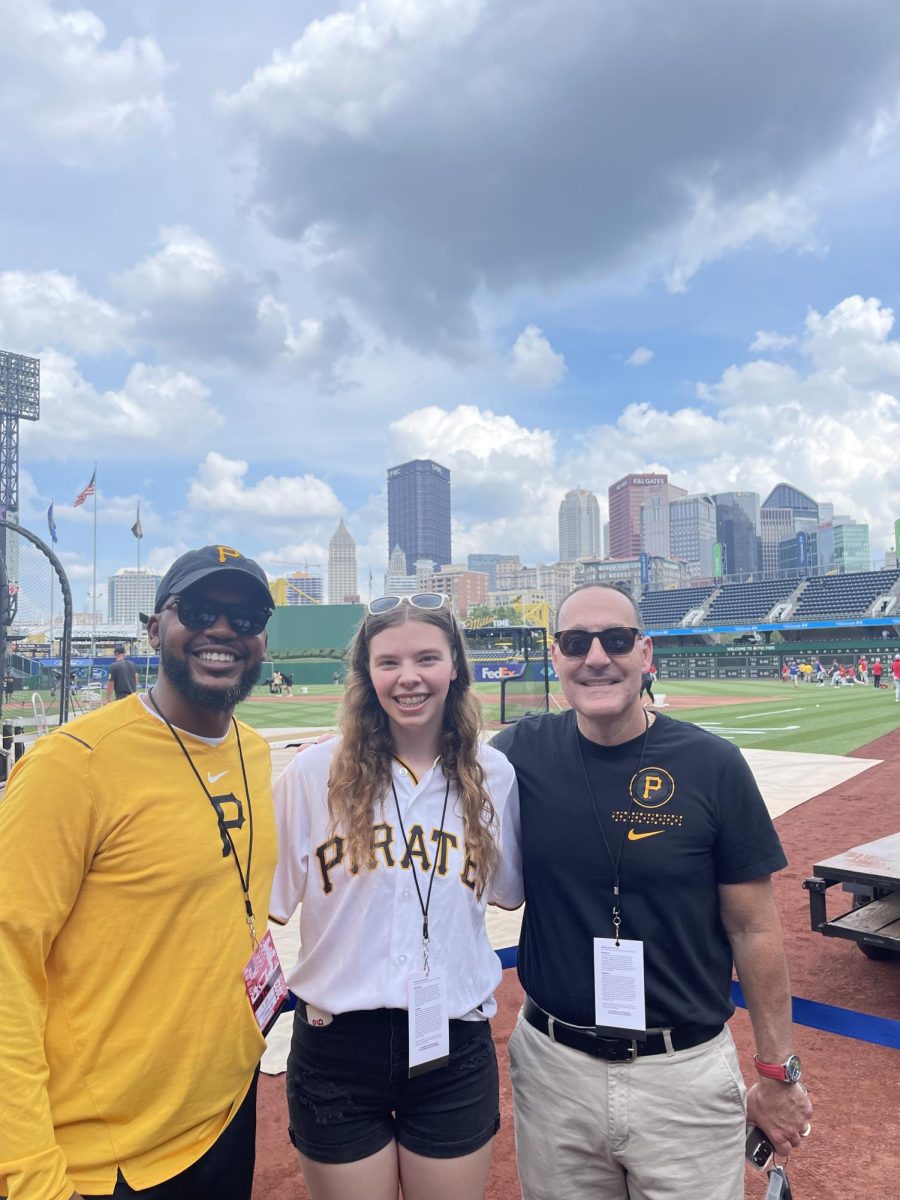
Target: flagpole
x=94 y=585
x=137 y=588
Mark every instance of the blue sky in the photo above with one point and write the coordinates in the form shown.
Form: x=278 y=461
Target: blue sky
x=264 y=254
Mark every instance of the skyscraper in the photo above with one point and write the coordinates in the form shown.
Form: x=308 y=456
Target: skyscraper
x=343 y=586
x=579 y=526
x=630 y=531
x=419 y=512
x=692 y=533
x=129 y=592
x=738 y=529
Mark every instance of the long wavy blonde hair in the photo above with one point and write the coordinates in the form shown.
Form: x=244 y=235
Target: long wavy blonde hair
x=361 y=769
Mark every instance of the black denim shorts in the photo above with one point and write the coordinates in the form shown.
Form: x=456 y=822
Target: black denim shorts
x=349 y=1092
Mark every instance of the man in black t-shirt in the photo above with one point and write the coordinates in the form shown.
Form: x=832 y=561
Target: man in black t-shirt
x=122 y=676
x=639 y=829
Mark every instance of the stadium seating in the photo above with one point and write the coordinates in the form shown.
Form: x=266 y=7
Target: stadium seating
x=842 y=595
x=739 y=603
x=665 y=610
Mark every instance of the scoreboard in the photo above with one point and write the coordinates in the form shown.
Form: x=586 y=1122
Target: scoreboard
x=719 y=666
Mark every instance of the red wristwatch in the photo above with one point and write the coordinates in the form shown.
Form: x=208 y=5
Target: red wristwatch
x=787 y=1072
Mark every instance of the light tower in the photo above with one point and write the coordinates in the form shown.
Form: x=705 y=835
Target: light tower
x=20 y=400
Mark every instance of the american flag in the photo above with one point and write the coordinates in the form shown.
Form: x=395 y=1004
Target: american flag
x=89 y=490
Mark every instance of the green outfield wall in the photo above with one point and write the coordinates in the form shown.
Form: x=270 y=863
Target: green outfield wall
x=299 y=627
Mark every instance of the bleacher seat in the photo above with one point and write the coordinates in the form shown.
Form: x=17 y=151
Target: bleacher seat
x=739 y=603
x=828 y=596
x=665 y=610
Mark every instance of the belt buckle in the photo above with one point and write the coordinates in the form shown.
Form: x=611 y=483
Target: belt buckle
x=632 y=1052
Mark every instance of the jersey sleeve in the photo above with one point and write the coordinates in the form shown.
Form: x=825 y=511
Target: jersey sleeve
x=507 y=888
x=292 y=795
x=747 y=846
x=48 y=837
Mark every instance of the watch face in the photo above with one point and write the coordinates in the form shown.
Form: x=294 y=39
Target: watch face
x=792 y=1069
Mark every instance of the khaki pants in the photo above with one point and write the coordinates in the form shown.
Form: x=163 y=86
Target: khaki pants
x=666 y=1127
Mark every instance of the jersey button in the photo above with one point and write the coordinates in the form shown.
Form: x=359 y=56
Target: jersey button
x=401 y=958
x=406 y=893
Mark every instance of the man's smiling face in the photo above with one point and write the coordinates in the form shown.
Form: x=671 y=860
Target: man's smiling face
x=216 y=667
x=603 y=689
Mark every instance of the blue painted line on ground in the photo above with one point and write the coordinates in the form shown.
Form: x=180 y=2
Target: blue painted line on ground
x=880 y=1031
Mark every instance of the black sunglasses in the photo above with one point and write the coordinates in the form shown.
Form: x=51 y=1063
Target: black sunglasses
x=576 y=643
x=246 y=620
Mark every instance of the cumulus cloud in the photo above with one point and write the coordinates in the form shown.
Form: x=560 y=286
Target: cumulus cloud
x=389 y=142
x=156 y=408
x=220 y=487
x=186 y=298
x=533 y=361
x=42 y=308
x=65 y=91
x=501 y=474
x=767 y=339
x=639 y=357
x=826 y=426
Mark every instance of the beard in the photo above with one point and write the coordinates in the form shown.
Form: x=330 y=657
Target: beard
x=178 y=673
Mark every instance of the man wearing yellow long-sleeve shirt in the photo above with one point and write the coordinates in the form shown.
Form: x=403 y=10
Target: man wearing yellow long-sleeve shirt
x=136 y=845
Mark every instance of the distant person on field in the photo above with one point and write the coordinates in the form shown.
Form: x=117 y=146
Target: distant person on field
x=277 y=682
x=863 y=669
x=647 y=685
x=877 y=672
x=837 y=672
x=895 y=671
x=820 y=672
x=784 y=672
x=288 y=683
x=794 y=671
x=122 y=680
x=9 y=686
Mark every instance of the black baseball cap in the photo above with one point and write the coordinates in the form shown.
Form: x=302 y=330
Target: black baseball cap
x=211 y=560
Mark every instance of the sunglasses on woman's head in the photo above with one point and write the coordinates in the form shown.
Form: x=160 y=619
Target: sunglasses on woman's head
x=429 y=601
x=576 y=643
x=246 y=620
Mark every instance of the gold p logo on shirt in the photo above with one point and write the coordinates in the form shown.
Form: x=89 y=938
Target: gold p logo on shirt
x=651 y=787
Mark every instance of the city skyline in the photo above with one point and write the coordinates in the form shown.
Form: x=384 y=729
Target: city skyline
x=238 y=250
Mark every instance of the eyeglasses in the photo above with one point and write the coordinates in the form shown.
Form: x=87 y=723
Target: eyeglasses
x=426 y=600
x=576 y=643
x=246 y=620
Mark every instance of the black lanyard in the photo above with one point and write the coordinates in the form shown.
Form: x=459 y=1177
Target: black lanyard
x=613 y=862
x=245 y=879
x=423 y=906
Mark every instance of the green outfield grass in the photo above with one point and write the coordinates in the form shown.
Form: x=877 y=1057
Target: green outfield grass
x=806 y=718
x=816 y=720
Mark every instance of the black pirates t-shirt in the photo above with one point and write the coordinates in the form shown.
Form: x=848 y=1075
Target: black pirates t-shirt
x=691 y=818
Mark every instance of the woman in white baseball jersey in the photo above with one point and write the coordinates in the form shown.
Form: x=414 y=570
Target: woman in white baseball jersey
x=390 y=841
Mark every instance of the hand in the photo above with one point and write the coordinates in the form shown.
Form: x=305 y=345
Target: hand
x=781 y=1110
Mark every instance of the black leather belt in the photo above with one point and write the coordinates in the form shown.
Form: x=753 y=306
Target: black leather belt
x=580 y=1037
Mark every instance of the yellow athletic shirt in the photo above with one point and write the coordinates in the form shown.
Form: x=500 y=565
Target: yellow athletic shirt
x=126 y=1037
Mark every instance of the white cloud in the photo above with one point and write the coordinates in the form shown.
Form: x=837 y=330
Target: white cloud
x=639 y=357
x=43 y=308
x=715 y=229
x=156 y=408
x=827 y=429
x=66 y=91
x=533 y=361
x=220 y=487
x=187 y=299
x=351 y=68
x=769 y=340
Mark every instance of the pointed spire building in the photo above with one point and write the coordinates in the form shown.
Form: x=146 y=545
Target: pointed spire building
x=343 y=586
